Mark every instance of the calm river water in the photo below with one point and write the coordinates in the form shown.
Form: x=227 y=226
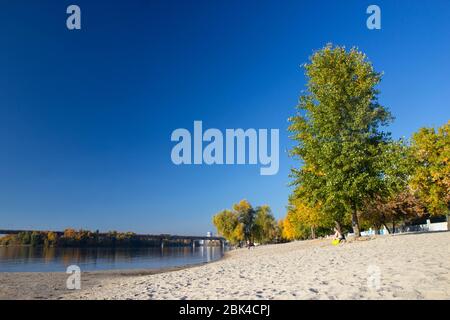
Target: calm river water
x=29 y=259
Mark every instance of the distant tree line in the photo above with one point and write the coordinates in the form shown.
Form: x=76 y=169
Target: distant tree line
x=84 y=238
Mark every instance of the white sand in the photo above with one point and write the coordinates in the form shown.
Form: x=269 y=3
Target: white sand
x=409 y=267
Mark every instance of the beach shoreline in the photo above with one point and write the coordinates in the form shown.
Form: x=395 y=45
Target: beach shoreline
x=52 y=285
x=406 y=266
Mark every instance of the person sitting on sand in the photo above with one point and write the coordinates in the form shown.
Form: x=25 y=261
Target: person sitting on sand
x=338 y=235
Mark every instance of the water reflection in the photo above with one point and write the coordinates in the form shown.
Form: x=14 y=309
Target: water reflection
x=40 y=259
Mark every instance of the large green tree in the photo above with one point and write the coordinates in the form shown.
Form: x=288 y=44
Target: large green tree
x=228 y=225
x=246 y=223
x=246 y=214
x=337 y=128
x=265 y=225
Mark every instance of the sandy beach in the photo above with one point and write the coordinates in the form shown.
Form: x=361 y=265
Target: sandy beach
x=409 y=266
x=52 y=285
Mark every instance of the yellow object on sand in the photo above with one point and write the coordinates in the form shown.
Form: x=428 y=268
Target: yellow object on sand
x=335 y=242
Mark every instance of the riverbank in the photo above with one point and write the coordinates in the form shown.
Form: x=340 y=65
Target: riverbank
x=52 y=285
x=409 y=266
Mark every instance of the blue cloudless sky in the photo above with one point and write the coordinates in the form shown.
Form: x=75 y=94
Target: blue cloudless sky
x=86 y=115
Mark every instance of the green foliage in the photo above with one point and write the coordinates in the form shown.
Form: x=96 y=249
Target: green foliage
x=246 y=223
x=395 y=202
x=246 y=215
x=305 y=222
x=228 y=225
x=396 y=167
x=84 y=238
x=24 y=237
x=36 y=238
x=337 y=128
x=265 y=230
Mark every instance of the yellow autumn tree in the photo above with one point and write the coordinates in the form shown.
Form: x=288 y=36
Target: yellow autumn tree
x=228 y=225
x=430 y=153
x=245 y=223
x=304 y=222
x=287 y=229
x=52 y=238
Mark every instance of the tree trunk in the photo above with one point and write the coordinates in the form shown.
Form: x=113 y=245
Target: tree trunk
x=355 y=223
x=387 y=228
x=393 y=226
x=448 y=216
x=338 y=226
x=313 y=233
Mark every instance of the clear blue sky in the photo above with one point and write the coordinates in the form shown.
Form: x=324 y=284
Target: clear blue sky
x=86 y=116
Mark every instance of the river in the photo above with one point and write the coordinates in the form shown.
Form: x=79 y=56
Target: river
x=40 y=259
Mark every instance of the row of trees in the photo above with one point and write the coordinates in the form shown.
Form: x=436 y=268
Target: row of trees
x=33 y=238
x=247 y=224
x=352 y=173
x=82 y=238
